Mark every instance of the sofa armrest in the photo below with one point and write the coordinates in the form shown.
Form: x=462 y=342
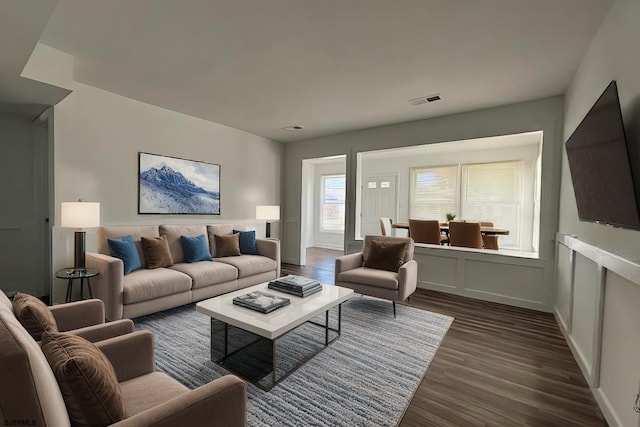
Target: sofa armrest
x=407 y=279
x=105 y=331
x=109 y=284
x=271 y=249
x=131 y=355
x=221 y=402
x=347 y=262
x=78 y=314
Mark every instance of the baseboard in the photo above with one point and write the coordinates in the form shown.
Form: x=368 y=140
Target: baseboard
x=607 y=410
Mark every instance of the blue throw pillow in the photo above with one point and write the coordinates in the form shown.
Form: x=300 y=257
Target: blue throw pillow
x=247 y=242
x=195 y=248
x=125 y=249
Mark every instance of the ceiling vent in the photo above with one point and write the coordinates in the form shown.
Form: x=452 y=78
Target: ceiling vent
x=425 y=99
x=294 y=127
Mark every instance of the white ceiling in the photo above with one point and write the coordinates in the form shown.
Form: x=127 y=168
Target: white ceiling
x=328 y=65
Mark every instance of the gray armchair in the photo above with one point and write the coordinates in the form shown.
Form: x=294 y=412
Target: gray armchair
x=372 y=271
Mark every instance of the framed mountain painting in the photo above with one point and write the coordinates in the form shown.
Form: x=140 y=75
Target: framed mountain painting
x=170 y=185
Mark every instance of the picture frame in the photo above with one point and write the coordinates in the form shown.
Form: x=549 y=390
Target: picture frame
x=176 y=186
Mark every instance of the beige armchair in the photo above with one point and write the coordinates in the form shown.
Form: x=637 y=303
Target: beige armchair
x=31 y=393
x=385 y=269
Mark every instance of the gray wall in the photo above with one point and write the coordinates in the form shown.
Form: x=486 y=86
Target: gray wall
x=545 y=114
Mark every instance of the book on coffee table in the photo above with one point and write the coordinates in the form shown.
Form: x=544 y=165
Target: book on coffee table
x=295 y=291
x=298 y=283
x=261 y=301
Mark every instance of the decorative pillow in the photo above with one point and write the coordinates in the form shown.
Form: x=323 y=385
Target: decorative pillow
x=386 y=255
x=227 y=244
x=86 y=378
x=34 y=315
x=195 y=248
x=125 y=249
x=156 y=252
x=247 y=242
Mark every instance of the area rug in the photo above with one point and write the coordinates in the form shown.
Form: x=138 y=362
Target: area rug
x=367 y=377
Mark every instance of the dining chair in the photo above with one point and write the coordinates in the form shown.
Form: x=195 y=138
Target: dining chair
x=426 y=231
x=465 y=234
x=385 y=226
x=490 y=240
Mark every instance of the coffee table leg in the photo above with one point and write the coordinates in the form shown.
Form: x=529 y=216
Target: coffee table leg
x=326 y=328
x=226 y=339
x=339 y=319
x=273 y=361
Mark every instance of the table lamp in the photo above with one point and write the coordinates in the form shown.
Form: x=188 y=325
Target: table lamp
x=79 y=215
x=268 y=213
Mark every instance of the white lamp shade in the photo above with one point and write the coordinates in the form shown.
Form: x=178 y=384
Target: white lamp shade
x=269 y=213
x=80 y=214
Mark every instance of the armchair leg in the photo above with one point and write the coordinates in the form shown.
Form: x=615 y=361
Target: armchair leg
x=394 y=309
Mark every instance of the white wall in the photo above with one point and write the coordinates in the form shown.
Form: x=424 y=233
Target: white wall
x=612 y=55
x=98 y=135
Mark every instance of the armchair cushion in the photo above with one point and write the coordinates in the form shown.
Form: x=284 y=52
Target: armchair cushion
x=86 y=378
x=156 y=252
x=385 y=255
x=34 y=315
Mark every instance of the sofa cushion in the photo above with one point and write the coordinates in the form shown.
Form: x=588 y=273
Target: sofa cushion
x=385 y=255
x=247 y=242
x=174 y=232
x=86 y=378
x=248 y=265
x=220 y=229
x=227 y=245
x=136 y=232
x=195 y=248
x=207 y=273
x=34 y=315
x=144 y=285
x=370 y=277
x=125 y=249
x=156 y=252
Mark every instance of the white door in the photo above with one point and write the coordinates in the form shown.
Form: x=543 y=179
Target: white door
x=24 y=228
x=379 y=198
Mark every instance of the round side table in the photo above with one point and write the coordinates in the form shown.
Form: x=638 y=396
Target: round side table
x=70 y=274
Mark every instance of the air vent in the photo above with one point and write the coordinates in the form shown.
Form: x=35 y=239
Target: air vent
x=425 y=99
x=294 y=127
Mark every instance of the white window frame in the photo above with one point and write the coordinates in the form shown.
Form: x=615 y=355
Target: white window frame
x=323 y=179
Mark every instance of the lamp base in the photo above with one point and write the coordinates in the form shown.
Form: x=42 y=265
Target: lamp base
x=268 y=233
x=79 y=251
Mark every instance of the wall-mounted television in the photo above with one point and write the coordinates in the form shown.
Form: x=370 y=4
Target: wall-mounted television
x=600 y=167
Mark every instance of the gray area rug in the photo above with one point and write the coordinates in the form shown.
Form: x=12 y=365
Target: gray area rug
x=365 y=378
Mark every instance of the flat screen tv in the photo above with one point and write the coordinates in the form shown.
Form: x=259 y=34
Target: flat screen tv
x=600 y=166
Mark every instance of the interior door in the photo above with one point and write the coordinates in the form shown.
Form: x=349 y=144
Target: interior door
x=24 y=242
x=379 y=198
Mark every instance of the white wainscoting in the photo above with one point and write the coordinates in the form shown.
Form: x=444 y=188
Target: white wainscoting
x=598 y=309
x=490 y=276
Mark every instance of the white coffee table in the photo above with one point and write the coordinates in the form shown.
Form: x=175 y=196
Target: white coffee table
x=277 y=323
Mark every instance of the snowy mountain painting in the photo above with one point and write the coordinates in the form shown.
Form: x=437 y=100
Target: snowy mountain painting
x=169 y=185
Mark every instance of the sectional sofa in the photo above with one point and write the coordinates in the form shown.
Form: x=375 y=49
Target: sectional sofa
x=148 y=290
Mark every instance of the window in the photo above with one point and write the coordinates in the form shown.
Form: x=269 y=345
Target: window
x=434 y=192
x=333 y=197
x=485 y=192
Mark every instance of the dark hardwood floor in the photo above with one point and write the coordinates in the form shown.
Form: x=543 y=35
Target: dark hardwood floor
x=497 y=366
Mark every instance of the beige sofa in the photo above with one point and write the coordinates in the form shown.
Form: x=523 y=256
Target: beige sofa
x=30 y=394
x=147 y=291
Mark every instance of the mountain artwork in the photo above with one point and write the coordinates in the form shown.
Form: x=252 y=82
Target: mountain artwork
x=169 y=185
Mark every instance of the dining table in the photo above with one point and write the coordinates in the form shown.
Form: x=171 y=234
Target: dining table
x=444 y=227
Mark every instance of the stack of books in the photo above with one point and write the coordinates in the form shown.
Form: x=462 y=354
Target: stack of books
x=296 y=285
x=261 y=301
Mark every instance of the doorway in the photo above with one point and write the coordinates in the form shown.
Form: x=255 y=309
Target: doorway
x=323 y=204
x=379 y=199
x=25 y=248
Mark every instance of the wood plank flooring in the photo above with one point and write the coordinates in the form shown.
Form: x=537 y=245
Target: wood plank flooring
x=497 y=366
